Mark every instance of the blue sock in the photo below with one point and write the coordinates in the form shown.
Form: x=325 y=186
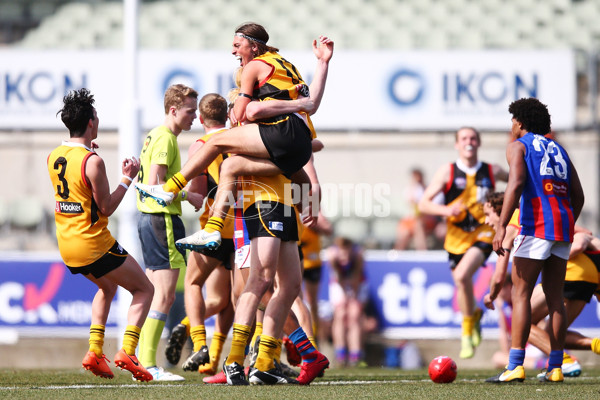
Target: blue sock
x=516 y=357
x=555 y=360
x=303 y=345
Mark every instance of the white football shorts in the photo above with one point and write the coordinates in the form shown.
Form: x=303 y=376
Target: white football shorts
x=242 y=257
x=540 y=249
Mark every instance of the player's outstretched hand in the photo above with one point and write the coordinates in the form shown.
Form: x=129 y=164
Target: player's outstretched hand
x=323 y=49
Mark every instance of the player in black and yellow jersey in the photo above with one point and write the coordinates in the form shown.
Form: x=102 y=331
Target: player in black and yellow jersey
x=275 y=145
x=83 y=204
x=201 y=264
x=465 y=184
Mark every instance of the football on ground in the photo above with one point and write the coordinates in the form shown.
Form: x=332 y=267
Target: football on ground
x=442 y=369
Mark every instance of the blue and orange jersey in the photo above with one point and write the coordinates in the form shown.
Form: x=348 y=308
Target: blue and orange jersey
x=546 y=210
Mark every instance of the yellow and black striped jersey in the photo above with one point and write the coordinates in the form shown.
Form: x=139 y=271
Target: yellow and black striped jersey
x=212 y=177
x=468 y=187
x=284 y=83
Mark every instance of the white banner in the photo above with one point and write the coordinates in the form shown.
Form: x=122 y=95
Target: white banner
x=381 y=90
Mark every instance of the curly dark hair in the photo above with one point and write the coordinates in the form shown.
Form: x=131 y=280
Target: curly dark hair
x=78 y=109
x=496 y=199
x=532 y=114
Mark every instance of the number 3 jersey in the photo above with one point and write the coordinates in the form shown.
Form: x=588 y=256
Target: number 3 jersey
x=546 y=210
x=80 y=226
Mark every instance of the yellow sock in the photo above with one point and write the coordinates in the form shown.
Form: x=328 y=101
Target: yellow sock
x=257 y=332
x=198 y=334
x=266 y=353
x=277 y=353
x=596 y=345
x=96 y=339
x=131 y=339
x=312 y=341
x=186 y=321
x=241 y=333
x=176 y=183
x=214 y=224
x=216 y=347
x=467 y=325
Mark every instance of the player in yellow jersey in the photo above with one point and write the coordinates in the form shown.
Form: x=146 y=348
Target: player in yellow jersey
x=271 y=146
x=468 y=240
x=201 y=264
x=83 y=204
x=581 y=281
x=159 y=227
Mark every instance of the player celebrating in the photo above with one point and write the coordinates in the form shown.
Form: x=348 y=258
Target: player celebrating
x=468 y=240
x=83 y=204
x=272 y=146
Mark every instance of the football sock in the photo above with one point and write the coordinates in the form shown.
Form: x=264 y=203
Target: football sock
x=150 y=336
x=216 y=347
x=555 y=360
x=97 y=339
x=516 y=358
x=186 y=321
x=131 y=337
x=354 y=357
x=213 y=224
x=567 y=359
x=241 y=333
x=596 y=345
x=266 y=353
x=175 y=184
x=198 y=334
x=341 y=354
x=312 y=341
x=277 y=355
x=303 y=345
x=467 y=325
x=257 y=332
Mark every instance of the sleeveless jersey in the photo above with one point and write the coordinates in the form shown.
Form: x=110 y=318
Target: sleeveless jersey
x=311 y=248
x=266 y=188
x=160 y=147
x=284 y=83
x=212 y=175
x=546 y=211
x=81 y=229
x=469 y=187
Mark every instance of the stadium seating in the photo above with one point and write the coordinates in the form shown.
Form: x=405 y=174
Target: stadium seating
x=355 y=24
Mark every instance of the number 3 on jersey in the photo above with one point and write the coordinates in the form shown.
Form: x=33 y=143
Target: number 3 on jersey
x=63 y=191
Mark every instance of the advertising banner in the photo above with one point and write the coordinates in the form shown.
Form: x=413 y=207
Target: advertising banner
x=382 y=90
x=411 y=294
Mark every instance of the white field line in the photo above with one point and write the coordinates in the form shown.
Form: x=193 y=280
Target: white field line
x=327 y=383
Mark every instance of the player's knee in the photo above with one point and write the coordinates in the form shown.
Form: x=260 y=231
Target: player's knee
x=232 y=166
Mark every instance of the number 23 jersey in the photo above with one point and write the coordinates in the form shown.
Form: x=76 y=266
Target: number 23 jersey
x=546 y=210
x=81 y=229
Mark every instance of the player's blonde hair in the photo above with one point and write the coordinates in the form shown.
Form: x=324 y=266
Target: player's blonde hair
x=175 y=96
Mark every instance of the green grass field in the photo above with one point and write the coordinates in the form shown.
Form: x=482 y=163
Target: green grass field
x=363 y=383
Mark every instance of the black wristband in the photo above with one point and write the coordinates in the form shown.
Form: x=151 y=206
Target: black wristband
x=245 y=95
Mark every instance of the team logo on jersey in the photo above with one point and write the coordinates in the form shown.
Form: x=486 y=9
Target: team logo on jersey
x=275 y=226
x=68 y=207
x=303 y=90
x=460 y=182
x=558 y=189
x=484 y=182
